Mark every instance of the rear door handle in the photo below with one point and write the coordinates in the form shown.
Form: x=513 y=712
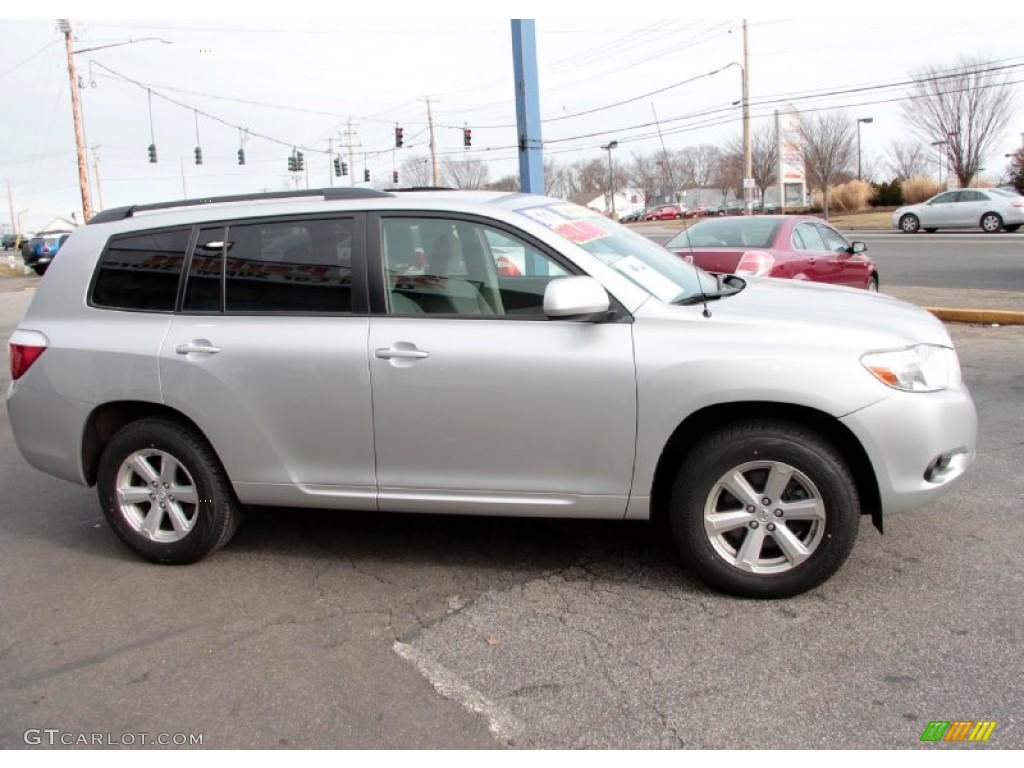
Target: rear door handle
x=201 y=346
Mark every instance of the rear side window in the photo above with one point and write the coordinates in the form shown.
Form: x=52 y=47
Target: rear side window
x=295 y=267
x=141 y=271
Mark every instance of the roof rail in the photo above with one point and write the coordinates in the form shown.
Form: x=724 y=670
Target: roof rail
x=331 y=193
x=424 y=189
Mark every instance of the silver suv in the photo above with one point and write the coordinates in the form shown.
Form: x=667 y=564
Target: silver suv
x=475 y=353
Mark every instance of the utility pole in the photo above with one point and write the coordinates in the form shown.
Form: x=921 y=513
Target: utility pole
x=433 y=145
x=10 y=199
x=96 y=173
x=748 y=163
x=351 y=155
x=330 y=161
x=76 y=114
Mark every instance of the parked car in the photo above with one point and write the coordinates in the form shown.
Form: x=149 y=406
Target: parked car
x=633 y=217
x=13 y=240
x=292 y=350
x=988 y=209
x=43 y=250
x=670 y=211
x=796 y=247
x=695 y=212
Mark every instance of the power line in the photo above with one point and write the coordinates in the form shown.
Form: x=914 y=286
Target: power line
x=26 y=61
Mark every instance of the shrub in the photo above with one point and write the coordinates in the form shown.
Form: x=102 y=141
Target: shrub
x=850 y=197
x=919 y=189
x=888 y=194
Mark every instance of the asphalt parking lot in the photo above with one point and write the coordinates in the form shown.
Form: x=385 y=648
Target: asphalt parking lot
x=319 y=630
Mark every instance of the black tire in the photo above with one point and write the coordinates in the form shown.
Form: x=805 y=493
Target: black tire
x=756 y=448
x=177 y=456
x=910 y=224
x=873 y=284
x=39 y=269
x=991 y=222
x=1011 y=227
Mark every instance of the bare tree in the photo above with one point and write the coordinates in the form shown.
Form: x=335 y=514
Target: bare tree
x=508 y=183
x=829 y=148
x=416 y=172
x=728 y=174
x=556 y=183
x=764 y=157
x=907 y=159
x=464 y=174
x=645 y=175
x=1016 y=171
x=967 y=106
x=701 y=162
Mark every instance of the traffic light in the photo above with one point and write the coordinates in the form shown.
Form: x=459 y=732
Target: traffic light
x=394 y=176
x=399 y=137
x=241 y=157
x=152 y=153
x=344 y=168
x=337 y=166
x=366 y=174
x=467 y=138
x=293 y=163
x=199 y=155
x=299 y=163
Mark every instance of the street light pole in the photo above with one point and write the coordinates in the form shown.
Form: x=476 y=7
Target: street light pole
x=611 y=177
x=859 y=121
x=748 y=159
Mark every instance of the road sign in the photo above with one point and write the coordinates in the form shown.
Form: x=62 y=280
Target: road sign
x=749 y=184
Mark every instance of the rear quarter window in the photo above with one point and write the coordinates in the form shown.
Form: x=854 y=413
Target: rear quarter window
x=141 y=271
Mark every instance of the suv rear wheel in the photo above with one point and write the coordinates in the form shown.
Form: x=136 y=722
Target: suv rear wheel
x=165 y=493
x=764 y=509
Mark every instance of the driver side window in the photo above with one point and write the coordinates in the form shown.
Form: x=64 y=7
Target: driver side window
x=451 y=267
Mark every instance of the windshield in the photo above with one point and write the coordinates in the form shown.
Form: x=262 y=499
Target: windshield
x=659 y=272
x=728 y=233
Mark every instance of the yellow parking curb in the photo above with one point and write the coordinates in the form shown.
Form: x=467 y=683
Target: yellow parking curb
x=980 y=316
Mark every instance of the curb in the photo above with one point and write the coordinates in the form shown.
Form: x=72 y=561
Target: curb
x=978 y=316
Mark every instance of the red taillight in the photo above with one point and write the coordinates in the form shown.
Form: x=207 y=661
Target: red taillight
x=755 y=263
x=22 y=357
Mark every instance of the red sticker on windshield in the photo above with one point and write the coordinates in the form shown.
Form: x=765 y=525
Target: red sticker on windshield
x=580 y=231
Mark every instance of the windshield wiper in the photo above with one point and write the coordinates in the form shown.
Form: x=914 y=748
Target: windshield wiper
x=728 y=285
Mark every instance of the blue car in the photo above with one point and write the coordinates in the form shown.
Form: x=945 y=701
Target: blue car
x=42 y=249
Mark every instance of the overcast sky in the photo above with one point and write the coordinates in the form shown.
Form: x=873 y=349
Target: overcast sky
x=300 y=82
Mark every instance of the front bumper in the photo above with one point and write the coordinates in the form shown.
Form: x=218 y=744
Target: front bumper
x=919 y=444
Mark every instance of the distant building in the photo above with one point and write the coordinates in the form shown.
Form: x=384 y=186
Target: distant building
x=627 y=200
x=59 y=224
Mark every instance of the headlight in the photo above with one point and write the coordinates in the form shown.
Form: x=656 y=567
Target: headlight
x=921 y=368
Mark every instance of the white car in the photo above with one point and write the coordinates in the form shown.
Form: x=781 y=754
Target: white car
x=989 y=209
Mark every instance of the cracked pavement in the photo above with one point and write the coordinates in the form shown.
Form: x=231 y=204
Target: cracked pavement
x=322 y=630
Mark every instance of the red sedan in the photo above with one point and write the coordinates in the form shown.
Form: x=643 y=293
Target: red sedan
x=795 y=247
x=664 y=212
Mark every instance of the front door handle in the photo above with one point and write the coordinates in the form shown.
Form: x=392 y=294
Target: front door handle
x=202 y=346
x=400 y=353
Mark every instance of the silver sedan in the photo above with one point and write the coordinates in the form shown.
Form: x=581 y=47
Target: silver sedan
x=989 y=209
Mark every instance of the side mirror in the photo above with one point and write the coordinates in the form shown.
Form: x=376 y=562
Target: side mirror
x=575 y=298
x=858 y=247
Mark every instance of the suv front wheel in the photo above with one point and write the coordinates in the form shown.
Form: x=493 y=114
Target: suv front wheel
x=764 y=509
x=164 y=492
